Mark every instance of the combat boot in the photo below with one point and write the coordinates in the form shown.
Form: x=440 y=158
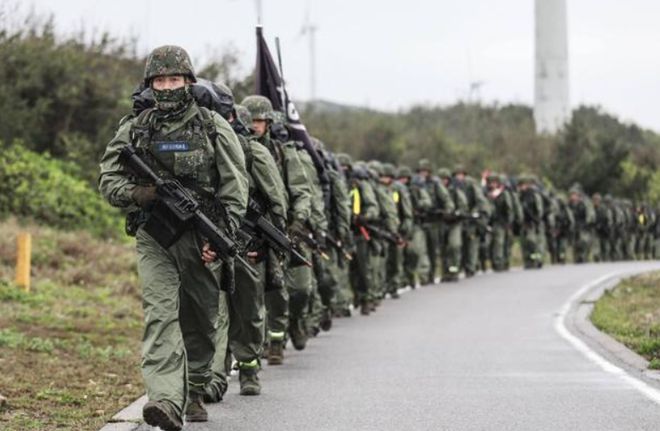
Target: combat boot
x=276 y=352
x=326 y=320
x=248 y=378
x=298 y=334
x=395 y=294
x=195 y=410
x=365 y=308
x=163 y=415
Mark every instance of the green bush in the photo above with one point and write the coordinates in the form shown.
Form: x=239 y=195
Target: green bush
x=40 y=188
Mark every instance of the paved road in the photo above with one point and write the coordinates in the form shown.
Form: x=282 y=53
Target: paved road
x=482 y=354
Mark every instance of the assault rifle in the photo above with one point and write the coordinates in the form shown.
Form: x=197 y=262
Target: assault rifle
x=176 y=209
x=384 y=234
x=256 y=224
x=308 y=238
x=338 y=245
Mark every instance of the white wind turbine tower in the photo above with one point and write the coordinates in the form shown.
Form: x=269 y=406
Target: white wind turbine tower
x=551 y=97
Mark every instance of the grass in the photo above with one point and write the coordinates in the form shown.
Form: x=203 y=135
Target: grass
x=70 y=348
x=631 y=314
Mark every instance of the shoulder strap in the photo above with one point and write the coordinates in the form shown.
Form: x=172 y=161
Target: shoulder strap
x=208 y=123
x=141 y=129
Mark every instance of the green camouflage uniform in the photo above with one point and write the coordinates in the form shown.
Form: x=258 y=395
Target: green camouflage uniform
x=501 y=220
x=565 y=230
x=452 y=230
x=179 y=291
x=441 y=201
x=602 y=230
x=389 y=221
x=532 y=227
x=403 y=203
x=416 y=261
x=585 y=217
x=478 y=212
x=364 y=209
x=287 y=301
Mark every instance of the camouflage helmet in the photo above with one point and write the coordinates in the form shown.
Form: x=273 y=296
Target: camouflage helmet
x=575 y=189
x=524 y=179
x=376 y=167
x=424 y=165
x=444 y=173
x=278 y=117
x=344 y=159
x=168 y=60
x=389 y=170
x=404 y=172
x=493 y=176
x=459 y=168
x=259 y=106
x=243 y=115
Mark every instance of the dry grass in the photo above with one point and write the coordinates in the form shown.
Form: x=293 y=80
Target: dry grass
x=69 y=349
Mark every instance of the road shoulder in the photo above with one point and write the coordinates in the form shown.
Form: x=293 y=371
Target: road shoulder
x=579 y=324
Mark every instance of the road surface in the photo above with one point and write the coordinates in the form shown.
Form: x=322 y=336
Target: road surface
x=482 y=354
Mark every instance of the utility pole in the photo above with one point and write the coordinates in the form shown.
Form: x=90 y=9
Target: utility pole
x=309 y=29
x=551 y=96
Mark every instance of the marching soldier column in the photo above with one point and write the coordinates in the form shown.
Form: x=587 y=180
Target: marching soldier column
x=249 y=239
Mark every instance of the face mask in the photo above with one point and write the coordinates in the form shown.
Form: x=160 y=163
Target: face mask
x=170 y=100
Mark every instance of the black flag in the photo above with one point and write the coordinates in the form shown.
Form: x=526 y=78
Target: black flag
x=271 y=85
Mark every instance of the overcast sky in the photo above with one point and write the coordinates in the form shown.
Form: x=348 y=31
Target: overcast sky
x=391 y=55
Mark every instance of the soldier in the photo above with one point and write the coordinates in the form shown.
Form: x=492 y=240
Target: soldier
x=415 y=258
x=402 y=201
x=246 y=305
x=501 y=220
x=179 y=140
x=602 y=229
x=618 y=222
x=565 y=229
x=334 y=276
x=441 y=202
x=518 y=218
x=584 y=214
x=532 y=205
x=451 y=231
x=383 y=231
x=364 y=209
x=287 y=298
x=316 y=227
x=477 y=212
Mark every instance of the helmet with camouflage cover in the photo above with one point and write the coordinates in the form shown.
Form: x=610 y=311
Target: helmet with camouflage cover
x=404 y=172
x=259 y=106
x=444 y=173
x=243 y=115
x=459 y=168
x=424 y=165
x=168 y=60
x=375 y=166
x=524 y=179
x=344 y=159
x=389 y=170
x=493 y=177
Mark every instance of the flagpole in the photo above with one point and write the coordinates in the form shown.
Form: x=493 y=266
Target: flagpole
x=259 y=11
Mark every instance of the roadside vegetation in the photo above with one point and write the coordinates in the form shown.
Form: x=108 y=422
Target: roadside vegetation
x=69 y=348
x=631 y=314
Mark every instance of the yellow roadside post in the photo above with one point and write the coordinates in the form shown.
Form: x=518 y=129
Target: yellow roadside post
x=23 y=255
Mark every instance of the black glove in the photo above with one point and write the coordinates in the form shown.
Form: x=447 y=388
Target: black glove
x=144 y=196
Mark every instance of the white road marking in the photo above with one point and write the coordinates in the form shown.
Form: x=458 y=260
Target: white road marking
x=560 y=326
